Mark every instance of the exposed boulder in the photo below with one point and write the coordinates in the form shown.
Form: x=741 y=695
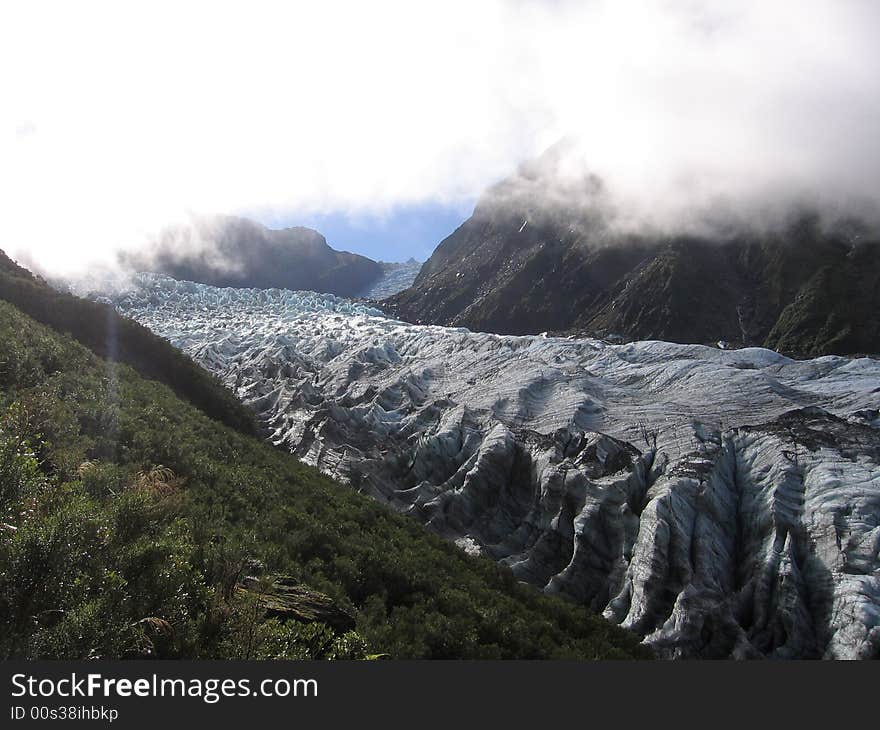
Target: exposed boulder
x=284 y=598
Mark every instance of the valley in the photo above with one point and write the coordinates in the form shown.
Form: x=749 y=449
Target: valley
x=718 y=503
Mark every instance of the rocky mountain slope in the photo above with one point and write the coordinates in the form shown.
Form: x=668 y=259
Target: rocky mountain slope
x=718 y=503
x=228 y=251
x=542 y=252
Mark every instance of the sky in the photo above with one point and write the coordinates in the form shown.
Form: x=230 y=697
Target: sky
x=381 y=123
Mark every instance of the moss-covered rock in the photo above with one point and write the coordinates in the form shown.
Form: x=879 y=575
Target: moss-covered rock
x=284 y=598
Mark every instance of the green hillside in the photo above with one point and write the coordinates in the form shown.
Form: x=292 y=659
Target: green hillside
x=104 y=332
x=129 y=520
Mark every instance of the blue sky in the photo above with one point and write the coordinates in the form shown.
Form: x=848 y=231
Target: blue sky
x=396 y=235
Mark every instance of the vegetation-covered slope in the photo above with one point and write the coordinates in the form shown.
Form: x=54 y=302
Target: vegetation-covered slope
x=128 y=520
x=104 y=332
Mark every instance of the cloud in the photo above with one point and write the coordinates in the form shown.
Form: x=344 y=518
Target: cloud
x=137 y=117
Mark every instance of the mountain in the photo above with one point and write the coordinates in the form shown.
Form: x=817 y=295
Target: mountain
x=229 y=251
x=717 y=503
x=541 y=252
x=134 y=525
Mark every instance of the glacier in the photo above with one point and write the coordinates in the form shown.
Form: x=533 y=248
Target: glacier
x=396 y=276
x=720 y=503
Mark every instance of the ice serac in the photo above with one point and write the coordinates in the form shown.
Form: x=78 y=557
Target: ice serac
x=719 y=503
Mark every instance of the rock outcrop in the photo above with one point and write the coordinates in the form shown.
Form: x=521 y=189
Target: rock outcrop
x=283 y=598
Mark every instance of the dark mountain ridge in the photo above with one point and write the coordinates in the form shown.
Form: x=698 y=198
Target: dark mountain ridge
x=237 y=252
x=542 y=253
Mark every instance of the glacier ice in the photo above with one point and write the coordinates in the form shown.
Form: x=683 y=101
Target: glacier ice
x=717 y=502
x=395 y=278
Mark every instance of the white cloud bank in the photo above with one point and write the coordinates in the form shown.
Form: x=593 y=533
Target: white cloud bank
x=116 y=119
